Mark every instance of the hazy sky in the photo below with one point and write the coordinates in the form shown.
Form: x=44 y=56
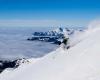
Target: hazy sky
x=48 y=12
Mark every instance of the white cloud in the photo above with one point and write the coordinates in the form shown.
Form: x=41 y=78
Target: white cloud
x=36 y=23
x=29 y=23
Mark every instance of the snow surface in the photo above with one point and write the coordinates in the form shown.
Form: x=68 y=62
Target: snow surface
x=81 y=62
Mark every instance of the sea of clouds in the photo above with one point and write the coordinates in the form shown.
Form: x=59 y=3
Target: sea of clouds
x=14 y=44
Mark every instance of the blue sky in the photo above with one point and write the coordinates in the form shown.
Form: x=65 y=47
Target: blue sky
x=48 y=12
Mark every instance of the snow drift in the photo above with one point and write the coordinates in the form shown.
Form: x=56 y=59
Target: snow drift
x=81 y=62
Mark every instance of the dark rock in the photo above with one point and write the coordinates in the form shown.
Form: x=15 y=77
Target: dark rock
x=7 y=64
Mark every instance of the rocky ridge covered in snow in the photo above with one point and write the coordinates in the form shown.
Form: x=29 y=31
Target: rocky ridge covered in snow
x=54 y=36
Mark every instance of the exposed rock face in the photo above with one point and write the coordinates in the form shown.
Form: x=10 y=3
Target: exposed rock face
x=7 y=64
x=11 y=64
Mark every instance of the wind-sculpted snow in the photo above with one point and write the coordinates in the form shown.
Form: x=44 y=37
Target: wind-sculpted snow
x=80 y=62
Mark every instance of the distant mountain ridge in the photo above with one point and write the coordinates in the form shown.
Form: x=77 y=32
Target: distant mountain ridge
x=54 y=36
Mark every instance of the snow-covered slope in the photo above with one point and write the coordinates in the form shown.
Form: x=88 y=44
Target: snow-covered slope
x=81 y=62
